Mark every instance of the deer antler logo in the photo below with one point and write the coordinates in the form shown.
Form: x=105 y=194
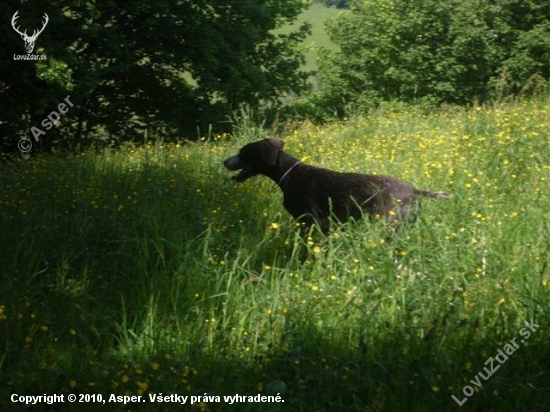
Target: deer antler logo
x=29 y=40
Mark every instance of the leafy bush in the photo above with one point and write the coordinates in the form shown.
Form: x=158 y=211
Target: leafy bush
x=435 y=52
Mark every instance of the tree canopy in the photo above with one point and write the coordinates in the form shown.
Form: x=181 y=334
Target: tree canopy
x=166 y=66
x=452 y=51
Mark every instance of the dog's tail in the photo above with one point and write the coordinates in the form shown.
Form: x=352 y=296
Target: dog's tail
x=430 y=193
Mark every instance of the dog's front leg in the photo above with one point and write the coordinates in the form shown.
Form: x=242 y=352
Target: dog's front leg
x=319 y=217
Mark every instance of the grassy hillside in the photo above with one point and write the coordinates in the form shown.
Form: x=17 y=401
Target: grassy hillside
x=147 y=270
x=316 y=15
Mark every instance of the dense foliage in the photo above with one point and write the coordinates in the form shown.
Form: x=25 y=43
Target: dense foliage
x=180 y=69
x=168 y=67
x=436 y=52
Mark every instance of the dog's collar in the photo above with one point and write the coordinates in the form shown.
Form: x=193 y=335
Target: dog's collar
x=288 y=171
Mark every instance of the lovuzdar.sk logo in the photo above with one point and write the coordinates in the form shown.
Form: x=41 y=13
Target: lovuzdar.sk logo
x=29 y=40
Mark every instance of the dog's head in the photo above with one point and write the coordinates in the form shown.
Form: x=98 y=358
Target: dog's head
x=255 y=158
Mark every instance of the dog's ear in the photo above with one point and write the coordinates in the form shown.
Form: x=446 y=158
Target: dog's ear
x=270 y=150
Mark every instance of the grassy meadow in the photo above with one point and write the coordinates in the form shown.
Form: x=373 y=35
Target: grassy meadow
x=146 y=270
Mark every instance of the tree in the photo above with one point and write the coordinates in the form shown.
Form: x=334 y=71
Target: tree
x=171 y=66
x=434 y=51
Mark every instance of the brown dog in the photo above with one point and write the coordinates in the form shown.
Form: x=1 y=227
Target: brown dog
x=313 y=194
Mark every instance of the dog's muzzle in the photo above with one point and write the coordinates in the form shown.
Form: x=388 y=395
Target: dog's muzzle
x=235 y=163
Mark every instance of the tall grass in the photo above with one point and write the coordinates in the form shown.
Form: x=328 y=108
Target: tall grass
x=147 y=270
